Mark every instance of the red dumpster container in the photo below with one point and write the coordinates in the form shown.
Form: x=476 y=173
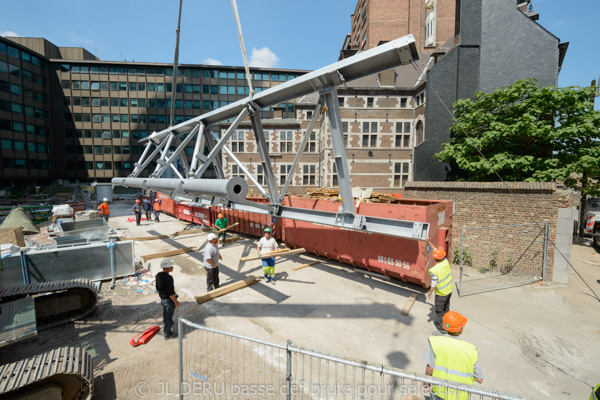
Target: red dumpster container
x=201 y=215
x=184 y=212
x=400 y=258
x=251 y=223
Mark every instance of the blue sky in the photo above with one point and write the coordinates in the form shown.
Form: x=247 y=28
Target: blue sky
x=305 y=34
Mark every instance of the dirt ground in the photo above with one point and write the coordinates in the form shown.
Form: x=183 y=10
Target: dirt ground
x=533 y=340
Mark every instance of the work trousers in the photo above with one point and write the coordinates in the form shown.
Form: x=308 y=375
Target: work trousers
x=222 y=236
x=168 y=311
x=442 y=306
x=149 y=215
x=156 y=214
x=105 y=216
x=212 y=278
x=138 y=218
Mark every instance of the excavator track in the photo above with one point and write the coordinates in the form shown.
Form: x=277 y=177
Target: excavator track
x=56 y=303
x=65 y=373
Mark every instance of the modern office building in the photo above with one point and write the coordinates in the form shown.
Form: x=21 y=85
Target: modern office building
x=65 y=115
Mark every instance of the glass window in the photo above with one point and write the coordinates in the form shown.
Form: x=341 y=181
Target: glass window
x=30 y=129
x=132 y=86
x=85 y=69
x=15 y=89
x=141 y=86
x=2 y=48
x=20 y=163
x=12 y=51
x=103 y=69
x=98 y=150
x=94 y=69
x=123 y=86
x=31 y=147
x=66 y=84
x=95 y=86
x=17 y=126
x=104 y=85
x=114 y=86
x=85 y=85
x=160 y=87
x=19 y=145
x=16 y=108
x=7 y=144
x=95 y=102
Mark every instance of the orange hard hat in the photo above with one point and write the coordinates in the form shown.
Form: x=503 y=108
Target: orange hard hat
x=137 y=201
x=439 y=254
x=220 y=215
x=454 y=322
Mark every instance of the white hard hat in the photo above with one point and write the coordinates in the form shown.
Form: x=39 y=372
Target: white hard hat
x=212 y=237
x=164 y=264
x=105 y=199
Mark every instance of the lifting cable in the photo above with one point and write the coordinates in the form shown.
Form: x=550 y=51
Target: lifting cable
x=241 y=37
x=506 y=184
x=175 y=68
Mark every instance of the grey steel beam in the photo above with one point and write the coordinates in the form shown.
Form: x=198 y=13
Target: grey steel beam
x=245 y=171
x=149 y=159
x=136 y=169
x=211 y=143
x=163 y=155
x=263 y=152
x=397 y=52
x=234 y=189
x=177 y=152
x=216 y=150
x=197 y=149
x=339 y=150
x=184 y=161
x=315 y=116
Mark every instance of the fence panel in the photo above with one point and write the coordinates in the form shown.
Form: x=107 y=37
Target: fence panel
x=496 y=257
x=218 y=365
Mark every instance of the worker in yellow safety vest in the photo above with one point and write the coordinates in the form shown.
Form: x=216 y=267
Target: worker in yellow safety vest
x=441 y=282
x=451 y=358
x=595 y=393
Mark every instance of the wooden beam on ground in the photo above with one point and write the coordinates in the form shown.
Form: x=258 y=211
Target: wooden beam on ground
x=305 y=265
x=167 y=253
x=232 y=287
x=144 y=238
x=276 y=253
x=191 y=232
x=409 y=303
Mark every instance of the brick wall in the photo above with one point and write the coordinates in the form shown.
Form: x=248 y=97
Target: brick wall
x=488 y=204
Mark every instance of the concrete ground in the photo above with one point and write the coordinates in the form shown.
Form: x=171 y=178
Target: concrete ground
x=535 y=341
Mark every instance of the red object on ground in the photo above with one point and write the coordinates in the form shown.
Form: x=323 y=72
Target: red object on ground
x=130 y=219
x=400 y=258
x=145 y=337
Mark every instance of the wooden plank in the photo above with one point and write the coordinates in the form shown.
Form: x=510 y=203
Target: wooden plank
x=229 y=227
x=232 y=287
x=167 y=253
x=144 y=238
x=191 y=232
x=305 y=265
x=273 y=254
x=409 y=303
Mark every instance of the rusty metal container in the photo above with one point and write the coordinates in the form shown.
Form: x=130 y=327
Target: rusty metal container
x=399 y=258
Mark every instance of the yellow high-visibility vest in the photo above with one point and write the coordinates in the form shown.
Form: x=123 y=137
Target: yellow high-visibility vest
x=454 y=361
x=444 y=275
x=595 y=393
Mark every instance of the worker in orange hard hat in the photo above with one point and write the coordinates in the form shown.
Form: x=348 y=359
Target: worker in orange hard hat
x=221 y=223
x=137 y=209
x=448 y=357
x=441 y=282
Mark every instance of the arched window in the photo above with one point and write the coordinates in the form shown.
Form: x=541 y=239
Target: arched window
x=419 y=132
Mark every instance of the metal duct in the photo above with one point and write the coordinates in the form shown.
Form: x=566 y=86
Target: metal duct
x=234 y=189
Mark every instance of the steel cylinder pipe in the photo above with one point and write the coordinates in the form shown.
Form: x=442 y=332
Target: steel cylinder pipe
x=234 y=189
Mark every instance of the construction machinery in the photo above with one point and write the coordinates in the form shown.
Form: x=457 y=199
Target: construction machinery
x=64 y=373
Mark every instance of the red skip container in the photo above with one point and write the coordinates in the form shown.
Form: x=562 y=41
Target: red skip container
x=396 y=257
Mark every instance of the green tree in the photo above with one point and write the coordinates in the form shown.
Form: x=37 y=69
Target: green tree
x=528 y=133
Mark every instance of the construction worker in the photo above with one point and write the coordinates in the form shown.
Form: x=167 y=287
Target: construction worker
x=221 y=223
x=165 y=287
x=211 y=262
x=451 y=358
x=148 y=210
x=441 y=282
x=595 y=393
x=137 y=209
x=104 y=209
x=267 y=244
x=156 y=210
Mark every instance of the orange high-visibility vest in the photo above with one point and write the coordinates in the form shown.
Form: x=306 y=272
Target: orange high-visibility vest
x=104 y=208
x=156 y=206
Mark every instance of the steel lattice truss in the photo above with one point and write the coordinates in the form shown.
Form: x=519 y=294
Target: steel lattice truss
x=232 y=192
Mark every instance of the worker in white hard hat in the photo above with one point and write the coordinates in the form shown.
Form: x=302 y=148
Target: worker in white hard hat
x=104 y=209
x=265 y=245
x=165 y=286
x=211 y=262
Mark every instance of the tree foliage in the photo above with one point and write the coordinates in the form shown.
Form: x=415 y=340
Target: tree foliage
x=527 y=133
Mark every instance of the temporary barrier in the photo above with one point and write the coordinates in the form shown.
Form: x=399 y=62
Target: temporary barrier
x=215 y=364
x=400 y=258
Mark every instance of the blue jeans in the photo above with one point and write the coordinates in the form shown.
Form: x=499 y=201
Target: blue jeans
x=168 y=311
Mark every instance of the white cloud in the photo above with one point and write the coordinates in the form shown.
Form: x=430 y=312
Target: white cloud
x=264 y=58
x=211 y=61
x=9 y=33
x=84 y=41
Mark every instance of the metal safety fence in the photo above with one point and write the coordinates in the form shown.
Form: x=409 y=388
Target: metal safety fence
x=214 y=364
x=500 y=256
